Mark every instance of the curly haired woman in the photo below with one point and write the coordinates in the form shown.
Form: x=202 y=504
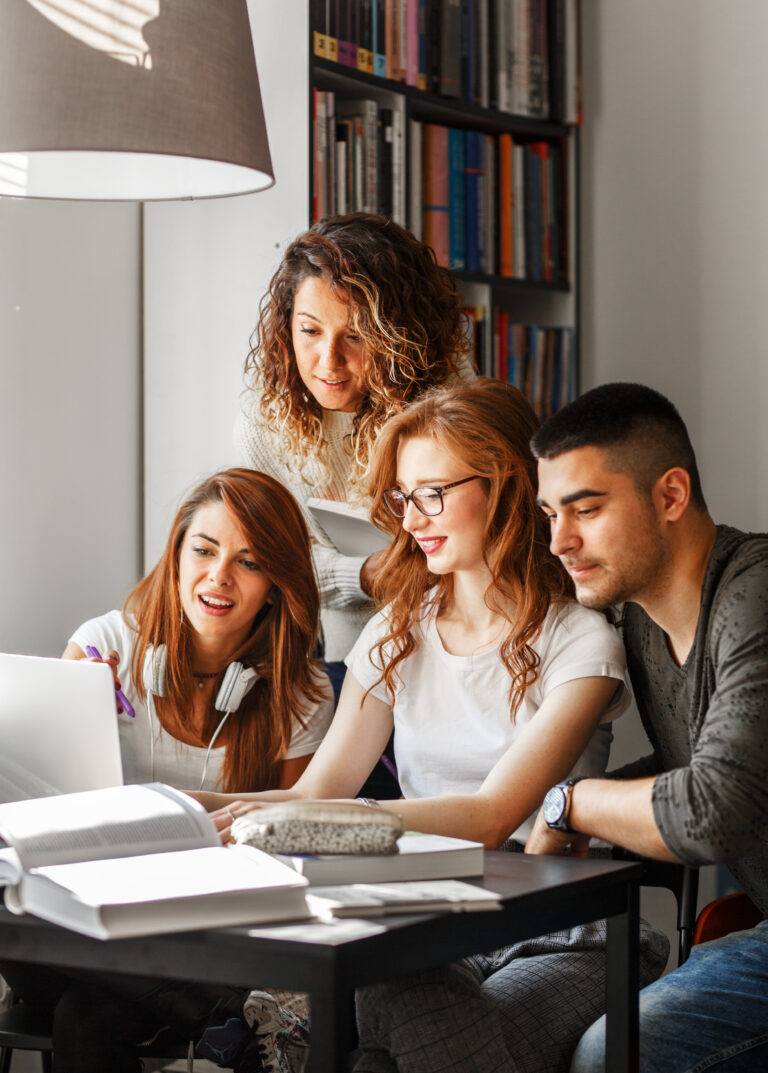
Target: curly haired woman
x=358 y=321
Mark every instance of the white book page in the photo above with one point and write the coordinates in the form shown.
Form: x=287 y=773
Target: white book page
x=118 y=821
x=184 y=874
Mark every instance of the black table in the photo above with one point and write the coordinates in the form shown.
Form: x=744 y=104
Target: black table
x=540 y=894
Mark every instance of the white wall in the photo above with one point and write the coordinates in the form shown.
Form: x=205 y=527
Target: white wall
x=675 y=224
x=675 y=234
x=70 y=504
x=207 y=264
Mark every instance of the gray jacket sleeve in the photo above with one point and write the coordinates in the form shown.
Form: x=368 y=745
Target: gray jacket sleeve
x=716 y=808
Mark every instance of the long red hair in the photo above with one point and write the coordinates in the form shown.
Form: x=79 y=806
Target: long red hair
x=487 y=426
x=278 y=647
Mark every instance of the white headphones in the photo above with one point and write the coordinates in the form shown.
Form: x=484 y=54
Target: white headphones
x=238 y=680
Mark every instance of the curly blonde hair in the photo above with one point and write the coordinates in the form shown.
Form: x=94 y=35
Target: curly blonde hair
x=405 y=307
x=486 y=426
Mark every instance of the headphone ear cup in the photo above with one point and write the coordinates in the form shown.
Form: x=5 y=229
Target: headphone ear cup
x=238 y=680
x=153 y=672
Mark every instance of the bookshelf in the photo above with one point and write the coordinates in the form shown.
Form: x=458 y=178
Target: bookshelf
x=469 y=137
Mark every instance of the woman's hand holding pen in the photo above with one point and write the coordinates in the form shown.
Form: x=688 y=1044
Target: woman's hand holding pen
x=112 y=659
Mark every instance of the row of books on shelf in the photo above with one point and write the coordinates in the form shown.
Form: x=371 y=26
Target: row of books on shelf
x=519 y=56
x=359 y=157
x=485 y=203
x=538 y=361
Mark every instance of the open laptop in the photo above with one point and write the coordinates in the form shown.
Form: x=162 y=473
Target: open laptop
x=58 y=723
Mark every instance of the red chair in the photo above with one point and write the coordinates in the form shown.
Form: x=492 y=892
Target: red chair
x=732 y=912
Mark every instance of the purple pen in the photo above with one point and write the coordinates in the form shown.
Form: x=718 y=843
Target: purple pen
x=127 y=706
x=389 y=766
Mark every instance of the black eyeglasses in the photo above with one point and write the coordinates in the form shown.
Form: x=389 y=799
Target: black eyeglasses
x=427 y=500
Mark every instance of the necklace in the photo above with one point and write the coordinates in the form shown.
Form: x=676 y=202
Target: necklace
x=202 y=675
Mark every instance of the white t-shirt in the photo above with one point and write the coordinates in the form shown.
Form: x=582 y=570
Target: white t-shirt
x=451 y=713
x=175 y=762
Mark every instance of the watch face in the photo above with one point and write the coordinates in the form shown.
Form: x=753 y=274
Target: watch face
x=554 y=805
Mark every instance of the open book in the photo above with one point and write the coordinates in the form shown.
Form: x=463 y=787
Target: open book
x=136 y=860
x=418 y=856
x=349 y=528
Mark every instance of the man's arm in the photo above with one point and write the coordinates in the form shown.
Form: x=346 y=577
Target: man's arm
x=616 y=811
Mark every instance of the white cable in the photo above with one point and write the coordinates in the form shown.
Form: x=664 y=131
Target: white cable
x=150 y=713
x=210 y=746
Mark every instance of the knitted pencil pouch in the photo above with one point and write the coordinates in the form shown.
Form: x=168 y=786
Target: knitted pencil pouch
x=313 y=827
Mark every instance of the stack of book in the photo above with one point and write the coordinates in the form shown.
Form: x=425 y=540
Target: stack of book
x=518 y=56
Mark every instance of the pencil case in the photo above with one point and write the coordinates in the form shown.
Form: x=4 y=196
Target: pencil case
x=312 y=827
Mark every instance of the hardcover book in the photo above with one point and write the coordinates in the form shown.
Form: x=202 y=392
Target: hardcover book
x=419 y=856
x=136 y=860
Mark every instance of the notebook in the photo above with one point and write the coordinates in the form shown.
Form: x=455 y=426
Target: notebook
x=58 y=721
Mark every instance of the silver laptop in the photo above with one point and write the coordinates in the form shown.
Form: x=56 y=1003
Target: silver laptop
x=58 y=726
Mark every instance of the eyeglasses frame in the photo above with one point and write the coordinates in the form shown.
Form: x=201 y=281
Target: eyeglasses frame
x=408 y=498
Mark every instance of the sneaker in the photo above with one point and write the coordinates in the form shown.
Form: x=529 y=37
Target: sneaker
x=269 y=1040
x=280 y=1036
x=223 y=1044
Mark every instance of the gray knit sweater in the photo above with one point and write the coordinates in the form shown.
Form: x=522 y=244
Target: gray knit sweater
x=708 y=720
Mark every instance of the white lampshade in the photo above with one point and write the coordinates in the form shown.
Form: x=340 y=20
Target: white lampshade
x=121 y=100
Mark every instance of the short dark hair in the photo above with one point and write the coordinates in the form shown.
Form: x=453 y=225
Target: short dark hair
x=641 y=429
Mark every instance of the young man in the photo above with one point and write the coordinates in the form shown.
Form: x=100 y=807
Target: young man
x=619 y=483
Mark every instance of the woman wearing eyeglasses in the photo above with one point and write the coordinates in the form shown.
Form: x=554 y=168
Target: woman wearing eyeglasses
x=498 y=685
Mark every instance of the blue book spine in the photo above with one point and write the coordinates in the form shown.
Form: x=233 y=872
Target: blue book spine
x=379 y=38
x=456 y=198
x=513 y=358
x=473 y=173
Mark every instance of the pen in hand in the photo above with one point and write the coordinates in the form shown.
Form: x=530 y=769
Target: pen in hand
x=94 y=653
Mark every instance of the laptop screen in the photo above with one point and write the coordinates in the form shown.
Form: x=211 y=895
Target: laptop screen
x=58 y=723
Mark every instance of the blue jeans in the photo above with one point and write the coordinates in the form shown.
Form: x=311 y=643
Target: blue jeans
x=711 y=1014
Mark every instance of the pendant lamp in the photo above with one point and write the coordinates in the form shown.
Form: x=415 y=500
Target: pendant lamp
x=122 y=100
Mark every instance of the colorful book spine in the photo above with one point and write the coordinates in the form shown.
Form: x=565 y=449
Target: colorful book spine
x=332 y=31
x=538 y=64
x=506 y=262
x=416 y=172
x=399 y=184
x=412 y=42
x=379 y=22
x=474 y=176
x=342 y=27
x=392 y=38
x=354 y=31
x=422 y=78
x=317 y=24
x=435 y=211
x=385 y=164
x=450 y=48
x=365 y=36
x=488 y=213
x=457 y=199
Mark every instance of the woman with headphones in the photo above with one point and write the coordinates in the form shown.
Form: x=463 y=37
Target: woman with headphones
x=211 y=654
x=211 y=649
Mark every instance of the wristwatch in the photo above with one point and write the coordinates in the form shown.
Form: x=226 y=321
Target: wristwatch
x=557 y=805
